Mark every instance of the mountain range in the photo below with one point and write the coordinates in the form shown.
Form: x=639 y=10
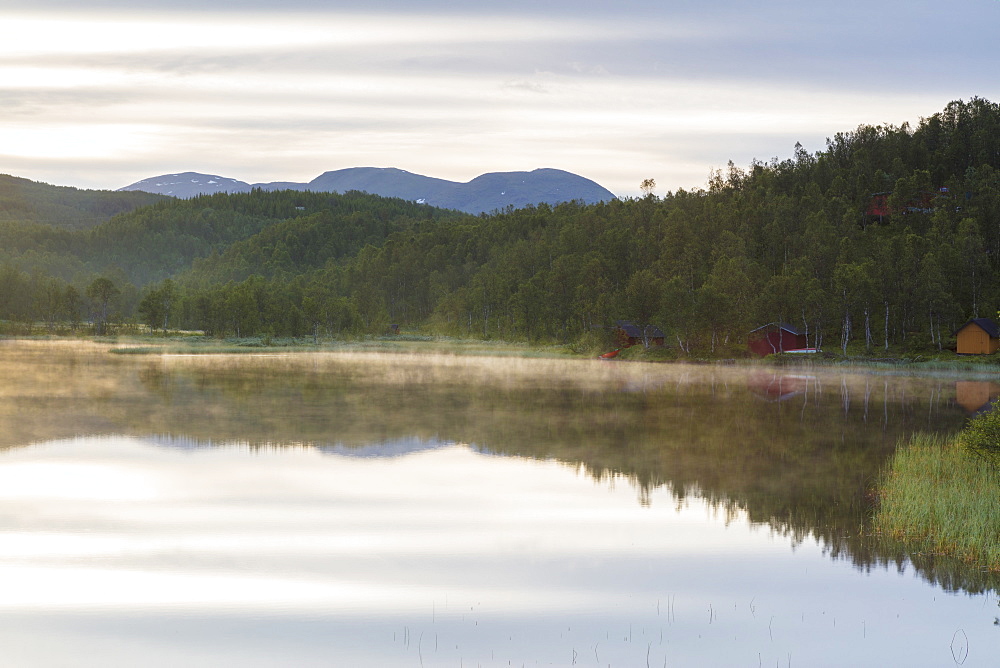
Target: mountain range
x=485 y=193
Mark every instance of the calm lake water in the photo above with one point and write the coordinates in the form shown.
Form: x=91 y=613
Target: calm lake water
x=416 y=510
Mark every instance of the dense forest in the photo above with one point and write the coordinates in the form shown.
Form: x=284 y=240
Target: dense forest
x=24 y=201
x=887 y=239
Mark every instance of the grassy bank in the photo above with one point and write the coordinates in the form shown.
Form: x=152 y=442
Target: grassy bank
x=133 y=340
x=195 y=345
x=941 y=497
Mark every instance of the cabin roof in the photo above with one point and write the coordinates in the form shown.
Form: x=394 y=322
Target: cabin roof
x=984 y=324
x=780 y=325
x=629 y=328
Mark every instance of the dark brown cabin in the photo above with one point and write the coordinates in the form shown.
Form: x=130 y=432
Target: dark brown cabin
x=654 y=335
x=627 y=334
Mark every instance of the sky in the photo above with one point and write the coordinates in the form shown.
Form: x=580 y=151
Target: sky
x=103 y=94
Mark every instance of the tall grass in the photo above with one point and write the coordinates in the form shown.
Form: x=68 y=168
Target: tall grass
x=942 y=497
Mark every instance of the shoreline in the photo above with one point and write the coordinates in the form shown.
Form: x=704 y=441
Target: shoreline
x=987 y=366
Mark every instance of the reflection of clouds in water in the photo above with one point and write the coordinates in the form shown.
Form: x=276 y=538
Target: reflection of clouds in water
x=220 y=528
x=68 y=481
x=446 y=557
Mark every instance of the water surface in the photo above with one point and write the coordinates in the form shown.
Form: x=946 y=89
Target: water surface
x=407 y=510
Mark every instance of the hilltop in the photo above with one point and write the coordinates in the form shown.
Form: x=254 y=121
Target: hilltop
x=25 y=201
x=483 y=194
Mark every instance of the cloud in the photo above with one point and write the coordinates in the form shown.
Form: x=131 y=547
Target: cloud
x=525 y=86
x=616 y=93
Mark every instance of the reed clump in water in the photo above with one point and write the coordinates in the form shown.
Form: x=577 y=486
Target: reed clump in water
x=940 y=495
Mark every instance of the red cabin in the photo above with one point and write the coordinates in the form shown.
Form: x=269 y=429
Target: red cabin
x=775 y=337
x=878 y=205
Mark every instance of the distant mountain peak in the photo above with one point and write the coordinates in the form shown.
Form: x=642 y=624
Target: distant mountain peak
x=485 y=193
x=185 y=185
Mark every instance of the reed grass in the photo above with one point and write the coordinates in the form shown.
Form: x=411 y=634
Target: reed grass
x=136 y=350
x=939 y=495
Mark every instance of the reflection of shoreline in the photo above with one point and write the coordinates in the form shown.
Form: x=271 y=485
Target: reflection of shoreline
x=802 y=467
x=387 y=449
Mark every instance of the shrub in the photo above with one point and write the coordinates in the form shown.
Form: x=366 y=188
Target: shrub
x=981 y=435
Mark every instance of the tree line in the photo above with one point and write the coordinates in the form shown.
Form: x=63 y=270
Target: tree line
x=889 y=237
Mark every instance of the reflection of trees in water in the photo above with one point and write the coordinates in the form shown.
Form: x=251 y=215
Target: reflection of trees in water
x=798 y=452
x=947 y=572
x=60 y=389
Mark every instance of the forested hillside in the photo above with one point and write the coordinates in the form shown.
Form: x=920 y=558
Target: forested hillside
x=888 y=237
x=25 y=201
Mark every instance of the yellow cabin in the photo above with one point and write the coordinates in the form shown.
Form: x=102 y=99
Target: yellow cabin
x=979 y=336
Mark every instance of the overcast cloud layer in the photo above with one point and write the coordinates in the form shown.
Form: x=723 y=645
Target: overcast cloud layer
x=102 y=94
